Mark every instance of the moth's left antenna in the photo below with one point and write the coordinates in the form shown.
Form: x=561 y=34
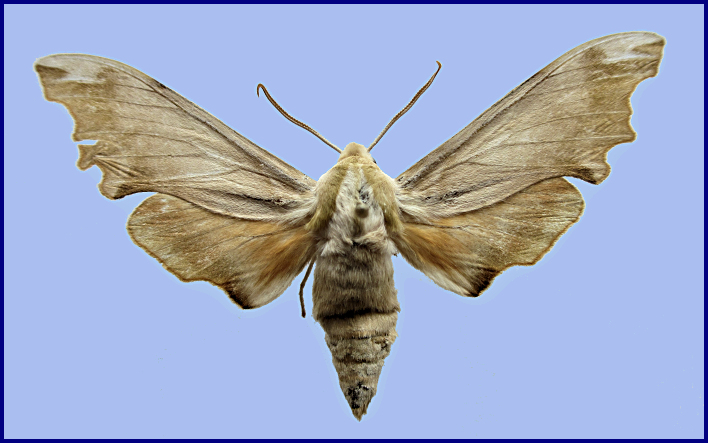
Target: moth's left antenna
x=294 y=120
x=410 y=105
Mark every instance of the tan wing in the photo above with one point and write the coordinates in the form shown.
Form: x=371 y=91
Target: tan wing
x=560 y=122
x=226 y=211
x=149 y=138
x=253 y=261
x=464 y=253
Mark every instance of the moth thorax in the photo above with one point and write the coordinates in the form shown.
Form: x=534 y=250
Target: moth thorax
x=361 y=210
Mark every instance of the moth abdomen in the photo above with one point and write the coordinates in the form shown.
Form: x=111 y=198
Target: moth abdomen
x=354 y=300
x=359 y=343
x=359 y=361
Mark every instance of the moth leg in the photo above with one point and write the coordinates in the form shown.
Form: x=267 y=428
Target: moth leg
x=302 y=286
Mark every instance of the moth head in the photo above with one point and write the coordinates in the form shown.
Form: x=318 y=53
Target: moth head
x=356 y=150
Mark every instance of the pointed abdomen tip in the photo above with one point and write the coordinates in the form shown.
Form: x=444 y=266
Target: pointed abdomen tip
x=359 y=396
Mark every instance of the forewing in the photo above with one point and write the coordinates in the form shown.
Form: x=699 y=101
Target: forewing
x=252 y=261
x=149 y=138
x=560 y=122
x=464 y=253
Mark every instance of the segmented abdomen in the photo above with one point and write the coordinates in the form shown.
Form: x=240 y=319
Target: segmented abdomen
x=354 y=300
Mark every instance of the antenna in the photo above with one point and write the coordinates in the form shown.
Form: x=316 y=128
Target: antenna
x=292 y=119
x=410 y=105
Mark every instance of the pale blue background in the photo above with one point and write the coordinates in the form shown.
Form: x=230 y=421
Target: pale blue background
x=602 y=338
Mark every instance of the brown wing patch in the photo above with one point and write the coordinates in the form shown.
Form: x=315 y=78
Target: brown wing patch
x=464 y=253
x=253 y=261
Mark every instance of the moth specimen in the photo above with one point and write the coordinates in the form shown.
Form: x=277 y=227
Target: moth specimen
x=228 y=212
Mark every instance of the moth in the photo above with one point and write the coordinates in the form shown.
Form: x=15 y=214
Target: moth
x=228 y=212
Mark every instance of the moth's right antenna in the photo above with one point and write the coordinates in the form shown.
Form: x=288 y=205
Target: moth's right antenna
x=297 y=122
x=410 y=105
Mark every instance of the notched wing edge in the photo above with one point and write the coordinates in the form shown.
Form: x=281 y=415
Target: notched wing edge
x=85 y=160
x=409 y=177
x=274 y=165
x=540 y=255
x=415 y=255
x=232 y=296
x=240 y=299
